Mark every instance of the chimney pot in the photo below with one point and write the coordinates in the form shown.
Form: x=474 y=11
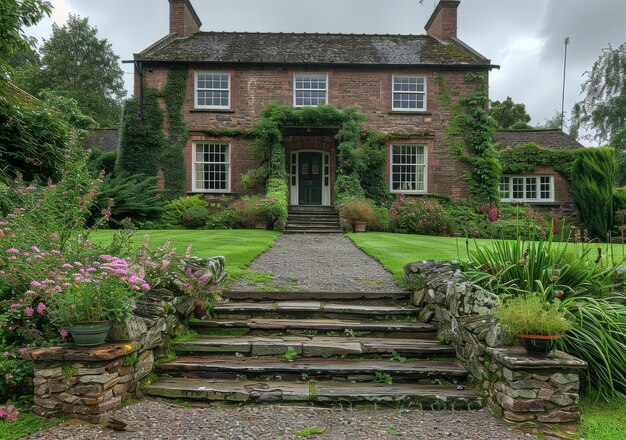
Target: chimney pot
x=443 y=22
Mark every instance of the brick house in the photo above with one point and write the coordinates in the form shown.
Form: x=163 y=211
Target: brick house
x=391 y=78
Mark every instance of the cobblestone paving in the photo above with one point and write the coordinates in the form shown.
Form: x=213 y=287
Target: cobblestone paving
x=320 y=262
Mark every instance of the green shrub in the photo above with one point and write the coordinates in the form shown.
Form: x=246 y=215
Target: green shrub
x=532 y=315
x=380 y=219
x=278 y=193
x=254 y=180
x=418 y=216
x=592 y=189
x=465 y=220
x=347 y=187
x=136 y=197
x=523 y=228
x=101 y=160
x=175 y=209
x=228 y=218
x=195 y=217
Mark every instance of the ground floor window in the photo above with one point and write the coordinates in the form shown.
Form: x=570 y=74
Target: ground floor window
x=408 y=168
x=211 y=167
x=527 y=188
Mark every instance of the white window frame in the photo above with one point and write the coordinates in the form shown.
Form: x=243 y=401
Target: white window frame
x=228 y=163
x=196 y=89
x=393 y=91
x=525 y=178
x=425 y=165
x=295 y=90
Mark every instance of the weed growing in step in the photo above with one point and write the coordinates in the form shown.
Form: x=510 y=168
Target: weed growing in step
x=395 y=356
x=312 y=390
x=309 y=432
x=292 y=354
x=383 y=378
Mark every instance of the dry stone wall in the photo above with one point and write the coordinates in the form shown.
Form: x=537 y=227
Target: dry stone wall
x=524 y=387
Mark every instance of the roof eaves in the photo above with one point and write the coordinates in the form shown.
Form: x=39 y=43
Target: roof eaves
x=159 y=44
x=468 y=49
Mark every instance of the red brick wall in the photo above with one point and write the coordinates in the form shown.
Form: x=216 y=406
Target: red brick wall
x=369 y=89
x=564 y=204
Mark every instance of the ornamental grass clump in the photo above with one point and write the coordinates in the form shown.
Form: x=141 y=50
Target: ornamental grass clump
x=356 y=210
x=532 y=315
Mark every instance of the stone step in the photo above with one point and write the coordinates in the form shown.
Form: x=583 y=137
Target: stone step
x=425 y=397
x=312 y=231
x=315 y=346
x=313 y=309
x=311 y=208
x=311 y=226
x=315 y=296
x=342 y=326
x=355 y=370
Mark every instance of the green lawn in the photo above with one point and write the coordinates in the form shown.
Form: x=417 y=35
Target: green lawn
x=603 y=421
x=27 y=423
x=239 y=247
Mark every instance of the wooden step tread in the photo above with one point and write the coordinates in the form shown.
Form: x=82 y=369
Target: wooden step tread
x=434 y=396
x=319 y=296
x=315 y=306
x=317 y=324
x=246 y=365
x=314 y=346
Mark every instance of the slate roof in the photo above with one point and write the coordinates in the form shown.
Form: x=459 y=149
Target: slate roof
x=107 y=139
x=302 y=48
x=547 y=138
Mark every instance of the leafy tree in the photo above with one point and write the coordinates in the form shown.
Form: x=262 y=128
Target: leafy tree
x=619 y=143
x=76 y=64
x=14 y=16
x=603 y=108
x=553 y=122
x=508 y=114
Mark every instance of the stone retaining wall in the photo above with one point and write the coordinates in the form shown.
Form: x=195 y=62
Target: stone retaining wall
x=89 y=383
x=525 y=387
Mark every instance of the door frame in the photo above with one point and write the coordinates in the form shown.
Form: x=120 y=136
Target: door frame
x=294 y=176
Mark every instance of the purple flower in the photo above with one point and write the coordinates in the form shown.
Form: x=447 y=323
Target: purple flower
x=41 y=307
x=64 y=333
x=22 y=350
x=55 y=235
x=13 y=251
x=6 y=354
x=145 y=286
x=35 y=249
x=29 y=311
x=29 y=292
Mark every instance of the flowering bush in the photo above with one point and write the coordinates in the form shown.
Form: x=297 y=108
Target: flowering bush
x=419 y=216
x=16 y=374
x=8 y=413
x=490 y=210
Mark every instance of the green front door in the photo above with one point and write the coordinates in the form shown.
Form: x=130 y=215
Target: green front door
x=310 y=179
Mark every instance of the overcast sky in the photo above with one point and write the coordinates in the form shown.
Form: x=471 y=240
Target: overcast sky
x=524 y=37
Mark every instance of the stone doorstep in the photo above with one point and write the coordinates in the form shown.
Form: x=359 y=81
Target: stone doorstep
x=73 y=353
x=517 y=359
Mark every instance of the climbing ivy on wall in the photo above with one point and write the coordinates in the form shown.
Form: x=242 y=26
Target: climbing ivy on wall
x=470 y=129
x=144 y=148
x=525 y=158
x=173 y=159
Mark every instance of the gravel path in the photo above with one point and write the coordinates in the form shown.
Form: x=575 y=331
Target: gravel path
x=151 y=419
x=320 y=262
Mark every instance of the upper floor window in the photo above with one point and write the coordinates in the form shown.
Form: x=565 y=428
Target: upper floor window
x=527 y=188
x=211 y=167
x=212 y=90
x=310 y=89
x=408 y=168
x=409 y=93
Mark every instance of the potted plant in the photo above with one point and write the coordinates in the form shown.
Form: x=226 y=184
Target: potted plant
x=358 y=212
x=534 y=320
x=99 y=294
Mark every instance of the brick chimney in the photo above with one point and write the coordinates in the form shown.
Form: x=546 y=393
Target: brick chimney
x=442 y=24
x=183 y=18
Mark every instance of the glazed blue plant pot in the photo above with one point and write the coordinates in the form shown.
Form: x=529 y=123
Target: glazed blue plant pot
x=90 y=334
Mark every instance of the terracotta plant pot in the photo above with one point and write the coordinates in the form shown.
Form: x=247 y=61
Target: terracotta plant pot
x=538 y=344
x=260 y=224
x=198 y=309
x=90 y=334
x=359 y=226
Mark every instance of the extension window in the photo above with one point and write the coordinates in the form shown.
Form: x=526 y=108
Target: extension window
x=527 y=188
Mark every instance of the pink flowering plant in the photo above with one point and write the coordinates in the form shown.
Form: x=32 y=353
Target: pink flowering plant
x=418 y=216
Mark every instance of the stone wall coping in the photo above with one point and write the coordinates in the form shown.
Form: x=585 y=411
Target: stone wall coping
x=517 y=359
x=72 y=352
